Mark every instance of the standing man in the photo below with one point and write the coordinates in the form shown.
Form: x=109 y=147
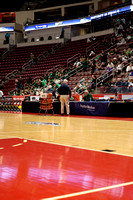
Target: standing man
x=65 y=93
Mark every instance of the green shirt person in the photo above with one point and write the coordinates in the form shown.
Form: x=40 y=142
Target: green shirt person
x=44 y=82
x=87 y=96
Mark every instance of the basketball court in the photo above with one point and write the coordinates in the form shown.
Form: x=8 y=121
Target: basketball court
x=60 y=157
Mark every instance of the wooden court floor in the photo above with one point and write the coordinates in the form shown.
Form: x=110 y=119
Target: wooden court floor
x=65 y=157
x=92 y=133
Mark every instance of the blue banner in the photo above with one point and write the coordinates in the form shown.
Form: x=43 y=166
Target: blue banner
x=7 y=29
x=78 y=21
x=89 y=108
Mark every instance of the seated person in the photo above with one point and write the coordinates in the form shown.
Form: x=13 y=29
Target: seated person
x=51 y=90
x=87 y=96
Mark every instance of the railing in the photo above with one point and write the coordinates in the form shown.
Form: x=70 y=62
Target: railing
x=91 y=47
x=26 y=65
x=11 y=74
x=53 y=68
x=116 y=90
x=72 y=73
x=73 y=58
x=42 y=55
x=4 y=54
x=46 y=72
x=55 y=47
x=112 y=73
x=96 y=44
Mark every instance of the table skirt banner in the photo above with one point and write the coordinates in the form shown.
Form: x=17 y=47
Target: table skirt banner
x=89 y=108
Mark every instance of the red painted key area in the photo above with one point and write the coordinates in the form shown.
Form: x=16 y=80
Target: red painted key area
x=31 y=170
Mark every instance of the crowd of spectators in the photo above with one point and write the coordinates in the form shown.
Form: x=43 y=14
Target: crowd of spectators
x=102 y=60
x=49 y=82
x=113 y=61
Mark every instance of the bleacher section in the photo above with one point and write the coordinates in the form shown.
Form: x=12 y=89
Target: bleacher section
x=17 y=58
x=21 y=55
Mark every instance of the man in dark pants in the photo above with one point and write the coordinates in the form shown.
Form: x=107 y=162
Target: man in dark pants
x=65 y=93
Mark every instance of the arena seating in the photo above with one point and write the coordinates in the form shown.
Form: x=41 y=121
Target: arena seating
x=60 y=57
x=2 y=51
x=21 y=55
x=17 y=58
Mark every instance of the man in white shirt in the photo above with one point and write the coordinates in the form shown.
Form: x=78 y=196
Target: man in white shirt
x=77 y=64
x=110 y=64
x=1 y=94
x=129 y=68
x=119 y=66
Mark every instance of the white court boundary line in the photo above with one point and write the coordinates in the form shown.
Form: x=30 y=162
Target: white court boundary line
x=100 y=151
x=65 y=145
x=14 y=145
x=88 y=191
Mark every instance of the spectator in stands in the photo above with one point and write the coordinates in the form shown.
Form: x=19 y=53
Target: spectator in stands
x=1 y=93
x=113 y=86
x=123 y=21
x=77 y=64
x=114 y=60
x=83 y=87
x=31 y=58
x=104 y=58
x=17 y=86
x=44 y=82
x=38 y=90
x=97 y=57
x=121 y=41
x=51 y=90
x=38 y=83
x=119 y=83
x=62 y=33
x=128 y=52
x=107 y=69
x=110 y=64
x=93 y=81
x=21 y=83
x=31 y=92
x=129 y=67
x=116 y=51
x=25 y=37
x=125 y=84
x=87 y=96
x=92 y=38
x=112 y=52
x=89 y=85
x=119 y=66
x=130 y=85
x=93 y=67
x=78 y=88
x=92 y=53
x=65 y=93
x=56 y=84
x=131 y=73
x=29 y=80
x=84 y=64
x=7 y=37
x=120 y=29
x=98 y=66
